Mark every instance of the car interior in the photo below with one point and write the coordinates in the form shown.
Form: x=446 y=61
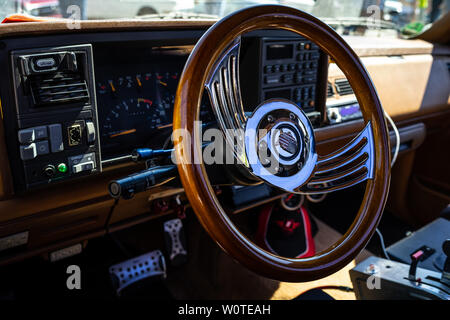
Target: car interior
x=265 y=153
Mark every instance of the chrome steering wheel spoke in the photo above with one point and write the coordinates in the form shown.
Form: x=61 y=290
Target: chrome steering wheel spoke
x=346 y=167
x=224 y=92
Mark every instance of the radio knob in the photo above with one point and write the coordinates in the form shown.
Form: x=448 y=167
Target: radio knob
x=334 y=115
x=49 y=171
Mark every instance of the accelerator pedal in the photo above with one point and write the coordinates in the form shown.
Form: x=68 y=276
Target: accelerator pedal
x=175 y=242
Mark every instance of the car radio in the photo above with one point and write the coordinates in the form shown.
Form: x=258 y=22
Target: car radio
x=292 y=68
x=54 y=135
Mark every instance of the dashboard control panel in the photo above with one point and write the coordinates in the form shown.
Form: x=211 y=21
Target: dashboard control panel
x=292 y=65
x=55 y=131
x=292 y=68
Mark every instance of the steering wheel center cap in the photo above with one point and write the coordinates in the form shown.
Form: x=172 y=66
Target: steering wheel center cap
x=286 y=142
x=280 y=145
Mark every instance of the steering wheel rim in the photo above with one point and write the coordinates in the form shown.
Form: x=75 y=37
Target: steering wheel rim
x=193 y=175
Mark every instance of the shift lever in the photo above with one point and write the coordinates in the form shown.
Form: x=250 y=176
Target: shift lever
x=446 y=270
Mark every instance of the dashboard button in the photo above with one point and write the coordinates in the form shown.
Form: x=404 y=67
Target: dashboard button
x=287 y=78
x=28 y=152
x=315 y=55
x=26 y=135
x=56 y=139
x=272 y=80
x=40 y=132
x=77 y=168
x=85 y=166
x=42 y=147
x=90 y=128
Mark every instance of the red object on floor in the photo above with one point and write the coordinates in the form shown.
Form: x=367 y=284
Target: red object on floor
x=263 y=221
x=288 y=225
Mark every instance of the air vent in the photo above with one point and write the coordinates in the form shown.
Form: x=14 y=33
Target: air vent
x=59 y=88
x=343 y=87
x=330 y=92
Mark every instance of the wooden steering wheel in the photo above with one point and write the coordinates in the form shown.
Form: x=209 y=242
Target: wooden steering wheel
x=214 y=65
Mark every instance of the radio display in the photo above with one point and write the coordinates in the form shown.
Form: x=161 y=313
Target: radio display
x=284 y=93
x=279 y=51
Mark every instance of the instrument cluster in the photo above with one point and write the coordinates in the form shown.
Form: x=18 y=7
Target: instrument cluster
x=135 y=101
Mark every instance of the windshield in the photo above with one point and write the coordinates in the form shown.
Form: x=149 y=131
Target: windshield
x=353 y=17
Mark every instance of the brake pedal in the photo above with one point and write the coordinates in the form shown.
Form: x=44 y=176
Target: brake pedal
x=148 y=265
x=175 y=241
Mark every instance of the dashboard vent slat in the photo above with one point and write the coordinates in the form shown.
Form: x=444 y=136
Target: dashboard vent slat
x=330 y=92
x=59 y=88
x=343 y=87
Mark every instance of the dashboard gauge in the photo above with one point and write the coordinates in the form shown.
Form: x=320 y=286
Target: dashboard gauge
x=292 y=201
x=132 y=116
x=166 y=84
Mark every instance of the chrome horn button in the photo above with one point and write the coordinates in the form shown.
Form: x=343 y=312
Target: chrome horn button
x=280 y=144
x=286 y=142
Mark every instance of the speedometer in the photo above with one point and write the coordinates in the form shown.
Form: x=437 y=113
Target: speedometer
x=133 y=116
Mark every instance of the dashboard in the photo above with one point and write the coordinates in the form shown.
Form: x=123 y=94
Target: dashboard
x=82 y=107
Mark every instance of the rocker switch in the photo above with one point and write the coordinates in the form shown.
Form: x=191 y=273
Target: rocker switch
x=90 y=128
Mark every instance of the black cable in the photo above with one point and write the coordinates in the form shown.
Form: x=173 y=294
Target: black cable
x=111 y=236
x=121 y=247
x=108 y=219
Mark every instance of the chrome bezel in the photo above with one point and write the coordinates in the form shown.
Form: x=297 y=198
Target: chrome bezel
x=291 y=182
